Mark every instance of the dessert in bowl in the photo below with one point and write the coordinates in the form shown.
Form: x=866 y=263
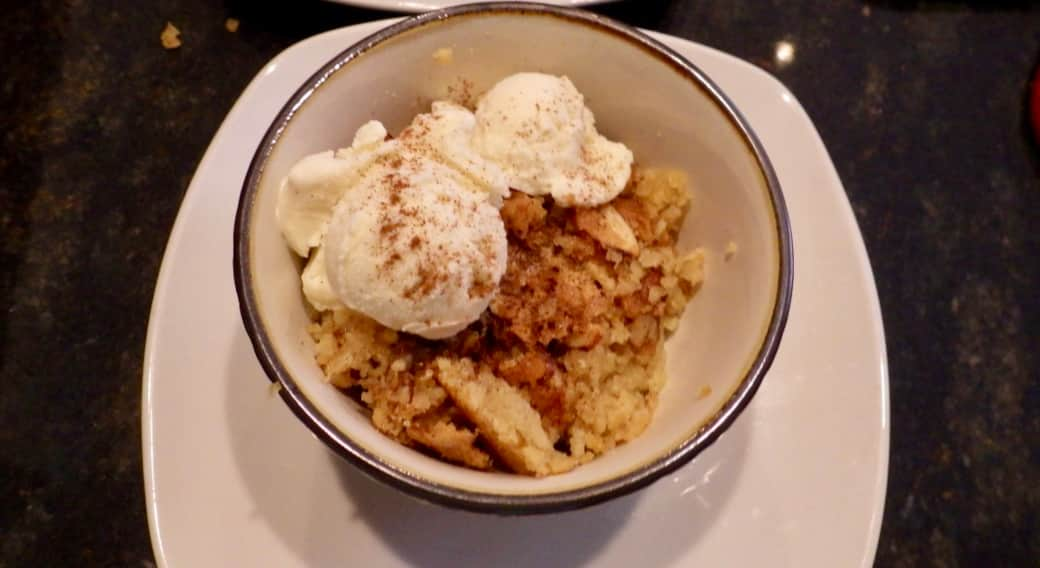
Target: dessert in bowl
x=518 y=370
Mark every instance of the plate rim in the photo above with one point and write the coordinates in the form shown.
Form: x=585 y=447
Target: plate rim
x=419 y=6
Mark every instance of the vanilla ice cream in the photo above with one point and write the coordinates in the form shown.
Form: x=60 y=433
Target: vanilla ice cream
x=407 y=230
x=446 y=133
x=537 y=128
x=412 y=246
x=315 y=184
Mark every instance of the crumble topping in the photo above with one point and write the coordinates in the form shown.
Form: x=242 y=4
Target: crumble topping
x=565 y=363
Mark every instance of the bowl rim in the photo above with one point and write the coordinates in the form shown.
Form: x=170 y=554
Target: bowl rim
x=477 y=501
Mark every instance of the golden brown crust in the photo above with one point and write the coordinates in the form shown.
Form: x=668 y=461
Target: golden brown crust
x=566 y=355
x=522 y=213
x=504 y=417
x=450 y=441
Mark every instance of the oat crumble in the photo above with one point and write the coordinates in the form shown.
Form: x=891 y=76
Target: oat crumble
x=566 y=362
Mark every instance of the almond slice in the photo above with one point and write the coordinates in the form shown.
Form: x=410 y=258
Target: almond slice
x=608 y=227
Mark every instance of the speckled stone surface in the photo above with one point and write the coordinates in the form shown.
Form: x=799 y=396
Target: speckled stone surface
x=920 y=103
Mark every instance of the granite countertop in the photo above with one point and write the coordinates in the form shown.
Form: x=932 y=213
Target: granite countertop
x=921 y=105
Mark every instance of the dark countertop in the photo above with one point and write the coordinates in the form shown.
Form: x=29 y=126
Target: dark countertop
x=921 y=105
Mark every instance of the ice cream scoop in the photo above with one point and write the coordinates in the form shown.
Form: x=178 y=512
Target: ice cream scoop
x=416 y=247
x=537 y=129
x=407 y=230
x=315 y=184
x=446 y=134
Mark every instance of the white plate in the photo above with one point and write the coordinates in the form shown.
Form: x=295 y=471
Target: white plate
x=426 y=5
x=232 y=479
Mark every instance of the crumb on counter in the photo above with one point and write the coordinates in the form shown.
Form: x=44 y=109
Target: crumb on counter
x=704 y=393
x=231 y=25
x=170 y=36
x=274 y=388
x=731 y=250
x=444 y=55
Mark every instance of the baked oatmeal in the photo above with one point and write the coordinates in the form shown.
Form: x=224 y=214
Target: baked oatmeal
x=565 y=363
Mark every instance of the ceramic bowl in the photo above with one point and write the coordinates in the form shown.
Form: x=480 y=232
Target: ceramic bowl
x=642 y=94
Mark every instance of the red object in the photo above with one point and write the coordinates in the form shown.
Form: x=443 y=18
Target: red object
x=1034 y=104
